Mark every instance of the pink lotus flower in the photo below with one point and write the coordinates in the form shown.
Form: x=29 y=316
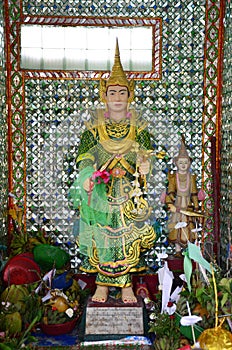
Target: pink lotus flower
x=101 y=176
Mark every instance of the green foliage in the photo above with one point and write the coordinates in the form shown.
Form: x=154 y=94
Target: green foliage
x=165 y=327
x=202 y=299
x=21 y=340
x=33 y=308
x=225 y=295
x=167 y=332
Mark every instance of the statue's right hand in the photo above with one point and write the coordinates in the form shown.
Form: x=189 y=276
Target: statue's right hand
x=172 y=208
x=88 y=185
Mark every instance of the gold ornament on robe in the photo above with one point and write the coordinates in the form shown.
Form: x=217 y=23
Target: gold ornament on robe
x=117 y=77
x=116 y=146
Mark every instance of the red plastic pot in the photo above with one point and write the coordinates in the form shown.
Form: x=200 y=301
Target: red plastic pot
x=21 y=269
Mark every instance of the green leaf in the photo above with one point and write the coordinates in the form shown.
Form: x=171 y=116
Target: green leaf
x=4 y=347
x=224 y=299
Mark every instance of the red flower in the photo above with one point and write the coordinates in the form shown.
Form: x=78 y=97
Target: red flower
x=101 y=176
x=170 y=304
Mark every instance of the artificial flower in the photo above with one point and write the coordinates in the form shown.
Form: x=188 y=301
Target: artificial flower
x=181 y=224
x=197 y=229
x=69 y=312
x=190 y=320
x=153 y=317
x=101 y=176
x=171 y=308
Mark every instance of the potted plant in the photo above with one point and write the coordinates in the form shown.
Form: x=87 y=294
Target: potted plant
x=164 y=326
x=167 y=332
x=20 y=340
x=202 y=299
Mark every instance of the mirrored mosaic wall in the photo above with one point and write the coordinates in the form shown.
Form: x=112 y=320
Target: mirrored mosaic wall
x=47 y=109
x=56 y=111
x=3 y=137
x=226 y=151
x=128 y=8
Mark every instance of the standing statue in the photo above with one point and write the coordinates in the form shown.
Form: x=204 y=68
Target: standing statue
x=182 y=199
x=110 y=190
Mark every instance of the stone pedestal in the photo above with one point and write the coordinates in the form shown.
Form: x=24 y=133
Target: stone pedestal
x=114 y=317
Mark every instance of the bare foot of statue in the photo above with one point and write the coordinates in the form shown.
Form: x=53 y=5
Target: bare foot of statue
x=128 y=296
x=101 y=294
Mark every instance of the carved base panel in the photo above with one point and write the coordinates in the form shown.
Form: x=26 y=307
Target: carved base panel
x=114 y=317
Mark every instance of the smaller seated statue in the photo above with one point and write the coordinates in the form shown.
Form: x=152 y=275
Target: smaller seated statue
x=182 y=199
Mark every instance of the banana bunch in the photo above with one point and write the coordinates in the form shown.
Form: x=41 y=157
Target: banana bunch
x=73 y=293
x=22 y=242
x=39 y=238
x=166 y=343
x=160 y=344
x=181 y=307
x=54 y=317
x=19 y=244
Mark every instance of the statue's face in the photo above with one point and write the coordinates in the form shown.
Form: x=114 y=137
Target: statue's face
x=183 y=164
x=117 y=98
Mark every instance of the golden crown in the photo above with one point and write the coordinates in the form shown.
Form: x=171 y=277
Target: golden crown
x=117 y=77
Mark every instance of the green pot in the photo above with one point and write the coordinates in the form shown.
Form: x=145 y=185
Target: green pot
x=48 y=257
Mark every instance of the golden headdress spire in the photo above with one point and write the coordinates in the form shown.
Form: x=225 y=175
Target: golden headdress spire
x=117 y=77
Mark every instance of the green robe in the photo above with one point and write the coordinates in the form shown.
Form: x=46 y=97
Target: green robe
x=113 y=228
